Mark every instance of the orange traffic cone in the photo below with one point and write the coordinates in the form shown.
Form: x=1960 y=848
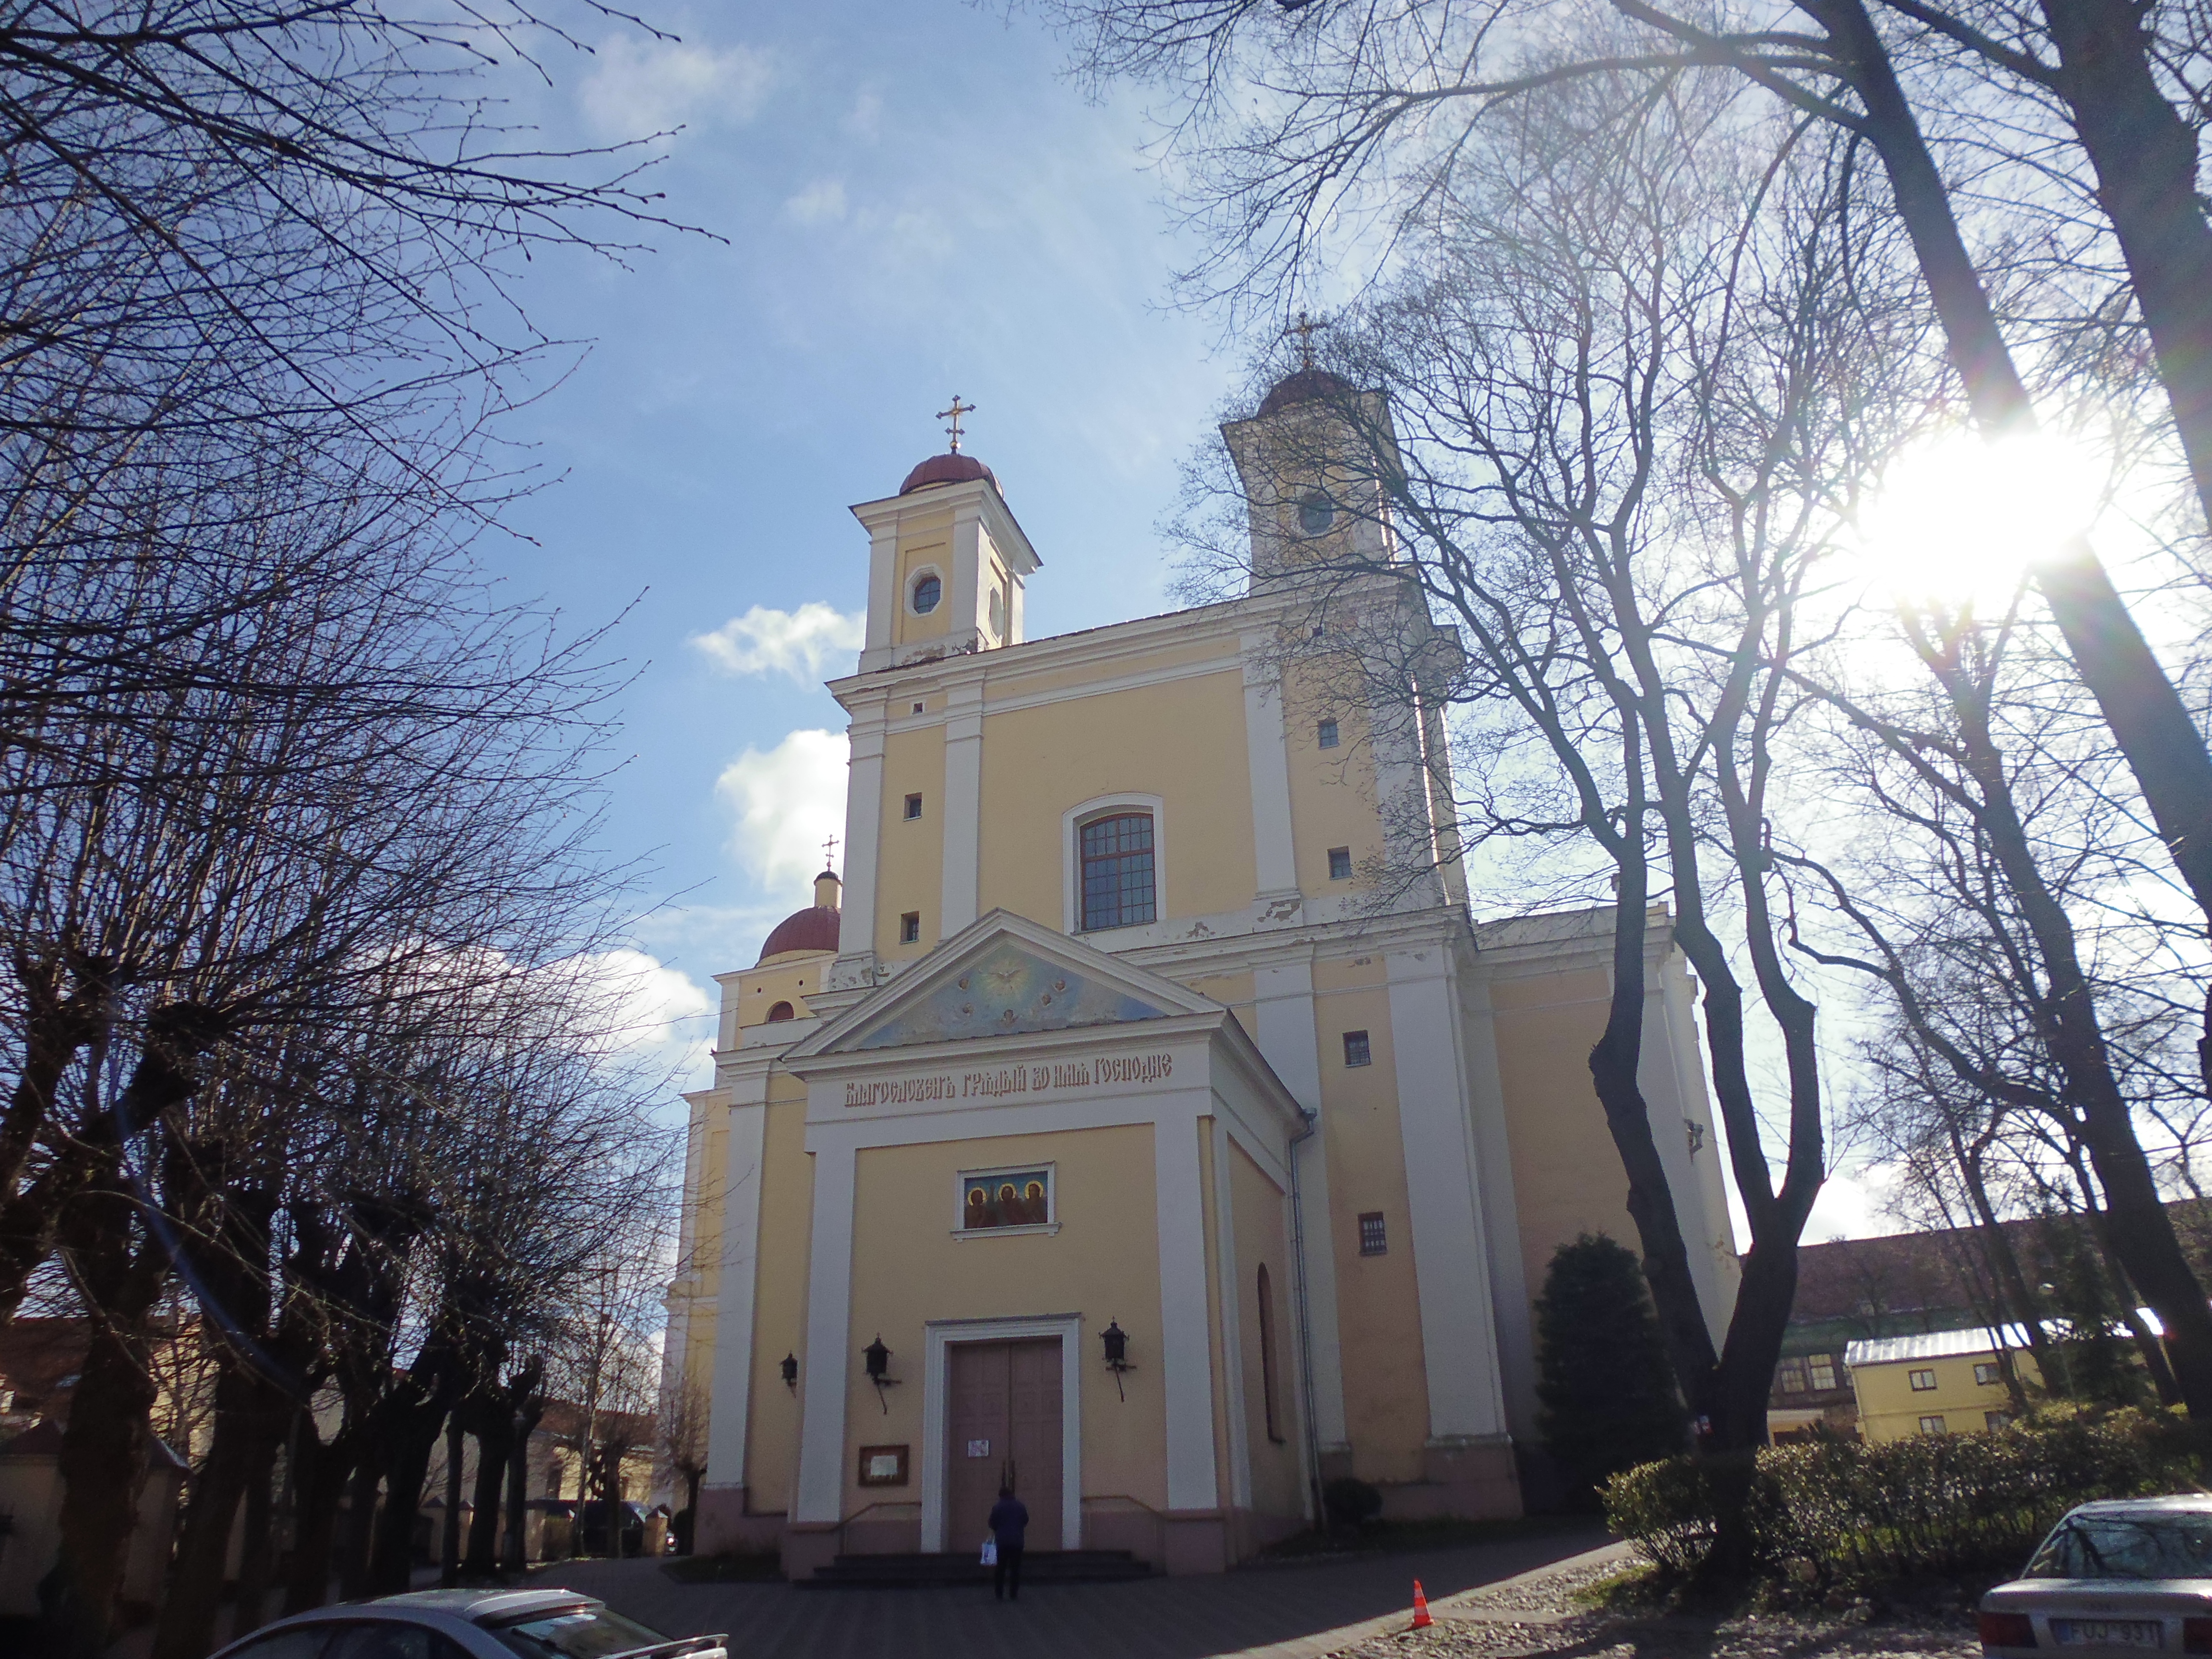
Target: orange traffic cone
x=1421 y=1620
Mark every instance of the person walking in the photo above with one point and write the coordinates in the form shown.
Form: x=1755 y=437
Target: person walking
x=1010 y=1523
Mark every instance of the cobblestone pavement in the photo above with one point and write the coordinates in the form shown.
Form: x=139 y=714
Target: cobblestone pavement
x=1283 y=1612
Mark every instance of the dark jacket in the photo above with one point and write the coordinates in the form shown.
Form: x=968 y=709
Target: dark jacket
x=1010 y=1520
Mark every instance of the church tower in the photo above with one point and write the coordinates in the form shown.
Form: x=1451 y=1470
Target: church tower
x=946 y=563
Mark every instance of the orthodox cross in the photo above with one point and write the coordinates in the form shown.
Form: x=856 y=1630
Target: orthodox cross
x=829 y=854
x=953 y=414
x=1305 y=328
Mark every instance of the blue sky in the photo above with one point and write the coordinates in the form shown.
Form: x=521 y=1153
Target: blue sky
x=916 y=203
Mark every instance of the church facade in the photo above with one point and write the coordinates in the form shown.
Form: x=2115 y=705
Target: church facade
x=1105 y=1134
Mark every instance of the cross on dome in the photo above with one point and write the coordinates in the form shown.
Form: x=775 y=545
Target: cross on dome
x=1305 y=328
x=954 y=413
x=829 y=854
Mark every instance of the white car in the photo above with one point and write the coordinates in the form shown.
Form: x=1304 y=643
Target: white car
x=2125 y=1577
x=454 y=1624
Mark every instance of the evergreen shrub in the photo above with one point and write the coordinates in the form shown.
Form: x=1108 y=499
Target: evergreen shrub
x=1929 y=1505
x=1606 y=1389
x=1350 y=1502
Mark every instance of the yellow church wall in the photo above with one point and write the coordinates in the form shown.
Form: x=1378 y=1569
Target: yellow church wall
x=1015 y=680
x=910 y=1268
x=1256 y=1209
x=1567 y=1178
x=787 y=1221
x=910 y=851
x=1164 y=741
x=1332 y=790
x=925 y=540
x=787 y=980
x=1377 y=1297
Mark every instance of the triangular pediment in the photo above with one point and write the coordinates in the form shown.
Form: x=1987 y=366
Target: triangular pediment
x=1004 y=976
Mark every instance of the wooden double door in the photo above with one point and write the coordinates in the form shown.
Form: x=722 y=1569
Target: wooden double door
x=1003 y=1421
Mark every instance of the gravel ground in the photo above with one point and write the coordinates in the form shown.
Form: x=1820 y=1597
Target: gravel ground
x=1535 y=1618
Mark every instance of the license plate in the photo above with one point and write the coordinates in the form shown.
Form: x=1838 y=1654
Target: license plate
x=2109 y=1632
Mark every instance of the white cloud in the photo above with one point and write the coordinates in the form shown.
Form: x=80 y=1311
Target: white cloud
x=787 y=800
x=650 y=1014
x=640 y=87
x=800 y=643
x=865 y=120
x=820 y=203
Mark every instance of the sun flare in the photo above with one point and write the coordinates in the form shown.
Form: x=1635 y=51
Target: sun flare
x=1960 y=518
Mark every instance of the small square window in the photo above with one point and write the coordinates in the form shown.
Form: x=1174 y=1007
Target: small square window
x=917 y=708
x=1921 y=1381
x=1931 y=1425
x=1325 y=734
x=913 y=806
x=1340 y=863
x=910 y=927
x=1986 y=1372
x=1374 y=1240
x=1355 y=1049
x=1820 y=1371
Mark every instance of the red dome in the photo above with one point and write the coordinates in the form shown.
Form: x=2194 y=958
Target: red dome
x=1304 y=386
x=814 y=928
x=953 y=468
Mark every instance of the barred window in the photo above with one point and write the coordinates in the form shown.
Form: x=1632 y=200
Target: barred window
x=1355 y=1049
x=1117 y=871
x=1374 y=1239
x=1340 y=863
x=1325 y=734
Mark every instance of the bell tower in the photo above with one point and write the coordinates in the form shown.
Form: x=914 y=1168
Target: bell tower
x=947 y=563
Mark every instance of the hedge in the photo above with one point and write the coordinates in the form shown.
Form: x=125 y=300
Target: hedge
x=1932 y=1503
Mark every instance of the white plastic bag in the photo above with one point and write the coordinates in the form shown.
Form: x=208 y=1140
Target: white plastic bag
x=990 y=1550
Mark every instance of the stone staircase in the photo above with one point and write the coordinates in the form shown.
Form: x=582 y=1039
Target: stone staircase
x=918 y=1572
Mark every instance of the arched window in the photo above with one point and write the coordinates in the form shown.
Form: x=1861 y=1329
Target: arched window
x=927 y=590
x=781 y=1011
x=1116 y=854
x=1267 y=1356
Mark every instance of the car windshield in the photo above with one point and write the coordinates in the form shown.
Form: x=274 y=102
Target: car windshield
x=2147 y=1546
x=576 y=1634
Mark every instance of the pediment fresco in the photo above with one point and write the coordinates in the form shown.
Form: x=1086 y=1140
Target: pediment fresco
x=1005 y=991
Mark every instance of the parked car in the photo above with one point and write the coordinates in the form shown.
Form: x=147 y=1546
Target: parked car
x=594 y=1535
x=469 y=1624
x=2115 y=1577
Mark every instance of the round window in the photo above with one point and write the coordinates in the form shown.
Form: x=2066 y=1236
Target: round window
x=927 y=590
x=1315 y=513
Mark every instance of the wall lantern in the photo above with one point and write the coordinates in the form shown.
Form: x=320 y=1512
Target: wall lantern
x=791 y=1372
x=1116 y=1343
x=878 y=1358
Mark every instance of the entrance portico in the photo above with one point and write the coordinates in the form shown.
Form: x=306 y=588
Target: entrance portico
x=1024 y=1138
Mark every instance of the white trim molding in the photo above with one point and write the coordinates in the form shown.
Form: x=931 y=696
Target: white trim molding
x=939 y=1335
x=1071 y=859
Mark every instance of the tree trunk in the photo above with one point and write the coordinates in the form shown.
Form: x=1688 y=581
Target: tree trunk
x=186 y=1627
x=358 y=1548
x=103 y=1469
x=517 y=1481
x=257 y=1560
x=408 y=1445
x=2145 y=713
x=320 y=1476
x=2144 y=156
x=493 y=1422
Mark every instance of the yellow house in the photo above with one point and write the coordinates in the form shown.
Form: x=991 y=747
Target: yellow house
x=1940 y=1382
x=1108 y=1133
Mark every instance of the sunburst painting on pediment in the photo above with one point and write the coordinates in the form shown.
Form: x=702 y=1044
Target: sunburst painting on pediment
x=1005 y=992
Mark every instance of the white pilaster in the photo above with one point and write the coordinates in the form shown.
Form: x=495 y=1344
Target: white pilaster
x=1288 y=1036
x=883 y=594
x=1232 y=1333
x=826 y=1365
x=1450 y=1256
x=964 y=595
x=1493 y=1167
x=964 y=806
x=1274 y=852
x=731 y=1404
x=1186 y=1349
x=863 y=818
